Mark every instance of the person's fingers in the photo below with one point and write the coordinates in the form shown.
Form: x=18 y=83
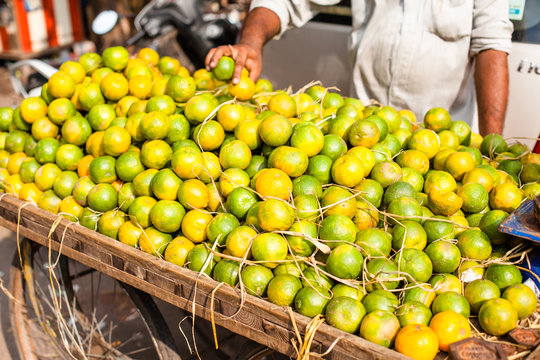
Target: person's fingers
x=254 y=67
x=240 y=60
x=217 y=53
x=208 y=58
x=242 y=57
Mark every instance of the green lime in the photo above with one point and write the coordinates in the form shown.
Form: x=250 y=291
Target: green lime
x=315 y=278
x=256 y=279
x=374 y=242
x=227 y=271
x=380 y=300
x=201 y=259
x=413 y=312
x=220 y=226
x=282 y=289
x=450 y=300
x=345 y=313
x=337 y=229
x=109 y=223
x=345 y=262
x=439 y=227
x=269 y=247
x=380 y=274
x=414 y=263
x=479 y=291
x=474 y=244
x=64 y=183
x=444 y=256
x=503 y=276
x=492 y=145
x=224 y=69
x=311 y=301
x=497 y=317
x=239 y=201
x=409 y=234
x=349 y=291
x=300 y=242
x=380 y=327
x=102 y=198
x=397 y=190
x=523 y=299
x=489 y=224
x=307 y=185
x=167 y=215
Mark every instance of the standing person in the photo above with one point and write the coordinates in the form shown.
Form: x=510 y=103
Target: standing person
x=413 y=54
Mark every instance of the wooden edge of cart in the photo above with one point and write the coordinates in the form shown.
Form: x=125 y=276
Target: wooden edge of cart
x=256 y=319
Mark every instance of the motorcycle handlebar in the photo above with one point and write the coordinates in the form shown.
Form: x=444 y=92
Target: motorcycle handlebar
x=138 y=35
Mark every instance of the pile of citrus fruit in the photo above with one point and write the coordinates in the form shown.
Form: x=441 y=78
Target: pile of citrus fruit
x=386 y=226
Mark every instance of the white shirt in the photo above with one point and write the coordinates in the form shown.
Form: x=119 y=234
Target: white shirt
x=414 y=54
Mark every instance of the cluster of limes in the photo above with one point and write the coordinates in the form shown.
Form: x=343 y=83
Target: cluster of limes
x=312 y=200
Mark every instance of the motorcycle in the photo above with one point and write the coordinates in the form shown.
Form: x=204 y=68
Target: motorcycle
x=199 y=25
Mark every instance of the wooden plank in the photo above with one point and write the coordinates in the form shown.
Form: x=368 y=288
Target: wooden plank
x=535 y=355
x=257 y=319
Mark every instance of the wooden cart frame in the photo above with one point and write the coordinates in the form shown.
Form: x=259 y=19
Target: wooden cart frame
x=255 y=318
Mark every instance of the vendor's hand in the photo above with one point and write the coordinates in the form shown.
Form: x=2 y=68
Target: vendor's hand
x=244 y=55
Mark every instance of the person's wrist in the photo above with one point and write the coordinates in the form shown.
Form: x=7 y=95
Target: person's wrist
x=253 y=44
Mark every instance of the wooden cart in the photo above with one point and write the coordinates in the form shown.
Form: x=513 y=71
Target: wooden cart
x=256 y=319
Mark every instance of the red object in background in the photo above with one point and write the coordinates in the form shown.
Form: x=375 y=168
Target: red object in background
x=76 y=22
x=4 y=38
x=40 y=24
x=22 y=26
x=536 y=149
x=48 y=9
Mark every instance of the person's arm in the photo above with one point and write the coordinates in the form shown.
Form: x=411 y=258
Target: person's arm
x=491 y=82
x=491 y=41
x=261 y=25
